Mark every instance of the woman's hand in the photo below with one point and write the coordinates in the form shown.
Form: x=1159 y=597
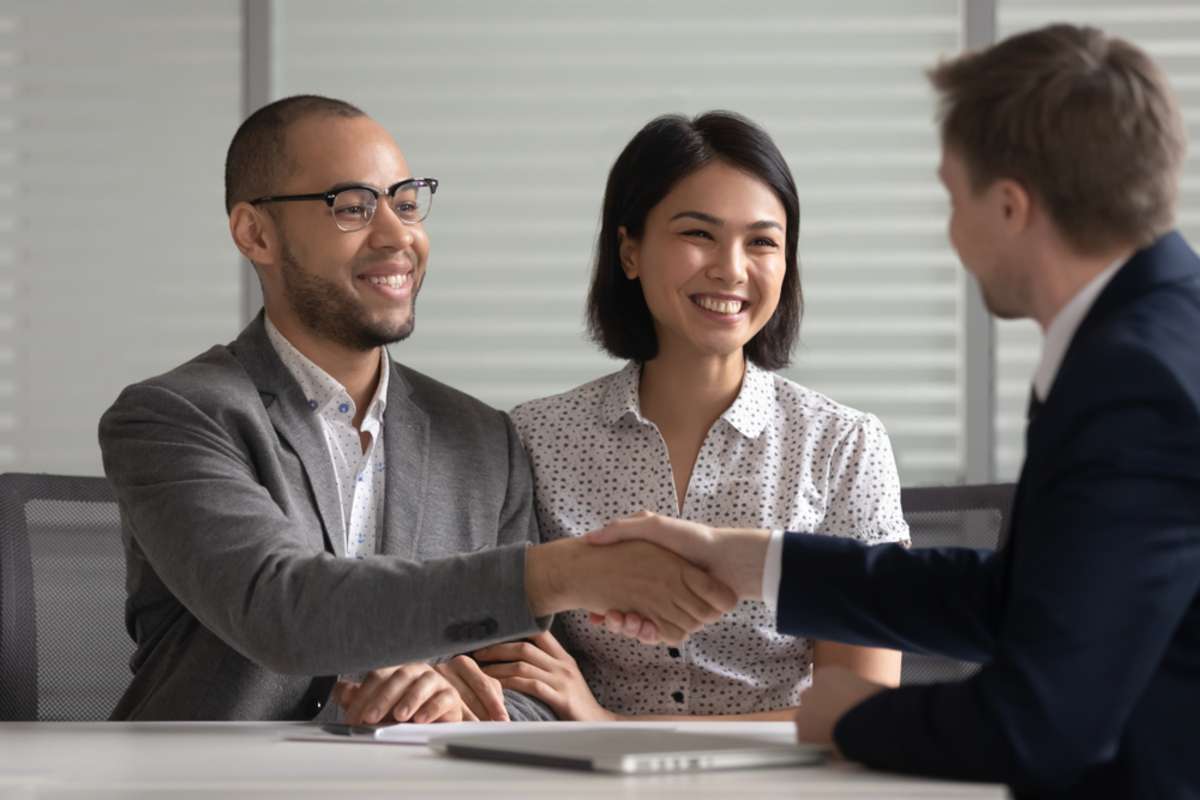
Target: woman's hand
x=407 y=693
x=541 y=668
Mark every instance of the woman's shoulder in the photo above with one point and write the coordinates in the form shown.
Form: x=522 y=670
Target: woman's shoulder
x=572 y=406
x=798 y=404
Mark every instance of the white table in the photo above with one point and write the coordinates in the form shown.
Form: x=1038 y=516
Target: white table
x=46 y=760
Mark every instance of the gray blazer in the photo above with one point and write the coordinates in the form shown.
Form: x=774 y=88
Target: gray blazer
x=239 y=599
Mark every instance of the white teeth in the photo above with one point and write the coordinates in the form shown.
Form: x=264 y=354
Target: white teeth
x=720 y=306
x=390 y=281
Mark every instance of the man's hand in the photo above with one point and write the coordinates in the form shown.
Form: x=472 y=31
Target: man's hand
x=407 y=693
x=677 y=597
x=482 y=694
x=541 y=668
x=834 y=691
x=735 y=557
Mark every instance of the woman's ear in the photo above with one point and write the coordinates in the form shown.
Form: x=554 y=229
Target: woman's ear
x=627 y=250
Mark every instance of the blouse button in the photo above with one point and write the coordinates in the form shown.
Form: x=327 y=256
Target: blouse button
x=673 y=652
x=677 y=697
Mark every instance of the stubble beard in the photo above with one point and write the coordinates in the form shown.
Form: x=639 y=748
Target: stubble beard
x=333 y=313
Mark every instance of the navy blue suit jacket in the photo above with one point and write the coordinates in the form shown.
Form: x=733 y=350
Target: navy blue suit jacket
x=1088 y=619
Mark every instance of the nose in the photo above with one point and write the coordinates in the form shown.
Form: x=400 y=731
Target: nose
x=730 y=264
x=388 y=231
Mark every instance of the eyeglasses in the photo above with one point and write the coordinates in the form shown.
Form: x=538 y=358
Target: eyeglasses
x=353 y=206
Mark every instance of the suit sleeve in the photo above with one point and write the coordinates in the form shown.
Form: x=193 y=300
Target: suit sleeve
x=1104 y=568
x=225 y=548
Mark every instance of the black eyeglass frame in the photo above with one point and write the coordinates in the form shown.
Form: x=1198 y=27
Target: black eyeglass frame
x=329 y=195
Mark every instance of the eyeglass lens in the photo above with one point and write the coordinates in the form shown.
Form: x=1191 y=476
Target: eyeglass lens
x=354 y=208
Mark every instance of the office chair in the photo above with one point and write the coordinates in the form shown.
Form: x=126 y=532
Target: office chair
x=64 y=651
x=953 y=516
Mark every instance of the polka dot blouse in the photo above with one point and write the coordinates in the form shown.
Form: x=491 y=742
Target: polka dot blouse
x=782 y=456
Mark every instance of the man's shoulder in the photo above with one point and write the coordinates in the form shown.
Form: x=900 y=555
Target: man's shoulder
x=211 y=379
x=441 y=400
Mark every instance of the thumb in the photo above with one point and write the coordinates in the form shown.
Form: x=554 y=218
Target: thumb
x=621 y=530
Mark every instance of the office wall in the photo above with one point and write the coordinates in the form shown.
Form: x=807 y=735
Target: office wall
x=115 y=262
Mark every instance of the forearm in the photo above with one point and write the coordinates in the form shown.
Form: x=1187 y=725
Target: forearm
x=875 y=664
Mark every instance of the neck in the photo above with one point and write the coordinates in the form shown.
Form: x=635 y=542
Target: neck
x=691 y=391
x=1062 y=273
x=356 y=370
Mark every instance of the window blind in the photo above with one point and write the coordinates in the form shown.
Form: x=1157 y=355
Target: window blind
x=520 y=108
x=1170 y=33
x=115 y=261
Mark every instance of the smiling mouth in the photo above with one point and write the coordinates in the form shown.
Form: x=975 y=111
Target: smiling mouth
x=719 y=305
x=390 y=281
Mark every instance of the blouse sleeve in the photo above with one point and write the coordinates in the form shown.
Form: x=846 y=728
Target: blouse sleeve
x=863 y=487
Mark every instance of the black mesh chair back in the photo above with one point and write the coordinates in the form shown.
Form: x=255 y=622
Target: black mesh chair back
x=953 y=516
x=64 y=652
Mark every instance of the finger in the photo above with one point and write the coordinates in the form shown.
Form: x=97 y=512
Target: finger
x=469 y=699
x=595 y=619
x=619 y=530
x=633 y=624
x=648 y=634
x=372 y=707
x=468 y=715
x=488 y=693
x=416 y=694
x=614 y=621
x=717 y=596
x=378 y=692
x=516 y=651
x=534 y=688
x=443 y=702
x=551 y=646
x=518 y=669
x=344 y=692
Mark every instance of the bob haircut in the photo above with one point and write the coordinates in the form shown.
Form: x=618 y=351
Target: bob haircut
x=664 y=152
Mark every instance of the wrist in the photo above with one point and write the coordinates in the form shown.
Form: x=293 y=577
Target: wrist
x=744 y=552
x=547 y=583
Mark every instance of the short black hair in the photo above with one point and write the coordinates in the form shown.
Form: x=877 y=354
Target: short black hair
x=664 y=152
x=257 y=158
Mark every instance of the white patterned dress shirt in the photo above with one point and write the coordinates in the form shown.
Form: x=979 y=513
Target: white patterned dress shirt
x=781 y=456
x=359 y=474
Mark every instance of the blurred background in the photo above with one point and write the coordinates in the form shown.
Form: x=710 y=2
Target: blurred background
x=116 y=263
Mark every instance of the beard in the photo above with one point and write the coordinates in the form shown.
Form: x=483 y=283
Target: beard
x=332 y=312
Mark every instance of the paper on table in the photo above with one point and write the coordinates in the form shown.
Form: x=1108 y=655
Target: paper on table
x=411 y=733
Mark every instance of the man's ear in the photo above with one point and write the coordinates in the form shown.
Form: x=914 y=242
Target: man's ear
x=254 y=234
x=627 y=249
x=1015 y=204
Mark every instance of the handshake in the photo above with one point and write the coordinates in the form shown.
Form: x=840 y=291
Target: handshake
x=649 y=577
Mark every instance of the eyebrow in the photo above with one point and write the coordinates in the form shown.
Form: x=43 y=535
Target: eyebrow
x=711 y=220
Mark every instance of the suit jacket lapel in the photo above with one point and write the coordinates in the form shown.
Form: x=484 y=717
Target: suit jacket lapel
x=406 y=439
x=296 y=424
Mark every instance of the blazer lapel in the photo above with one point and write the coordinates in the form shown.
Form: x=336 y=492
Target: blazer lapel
x=296 y=424
x=406 y=439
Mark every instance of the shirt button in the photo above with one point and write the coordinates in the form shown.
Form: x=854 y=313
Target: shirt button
x=673 y=652
x=344 y=407
x=677 y=697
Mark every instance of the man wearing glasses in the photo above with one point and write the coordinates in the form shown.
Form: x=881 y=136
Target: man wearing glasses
x=296 y=506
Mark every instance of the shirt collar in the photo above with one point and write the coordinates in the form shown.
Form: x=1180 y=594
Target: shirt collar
x=322 y=390
x=748 y=415
x=1062 y=329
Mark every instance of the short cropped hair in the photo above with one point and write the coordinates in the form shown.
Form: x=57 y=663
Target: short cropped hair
x=258 y=159
x=1084 y=121
x=664 y=152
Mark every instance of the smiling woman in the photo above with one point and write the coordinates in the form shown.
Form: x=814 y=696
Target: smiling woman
x=697 y=283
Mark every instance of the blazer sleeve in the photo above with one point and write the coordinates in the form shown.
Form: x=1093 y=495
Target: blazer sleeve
x=1104 y=568
x=223 y=546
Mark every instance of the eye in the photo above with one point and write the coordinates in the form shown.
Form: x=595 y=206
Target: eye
x=352 y=212
x=698 y=233
x=764 y=241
